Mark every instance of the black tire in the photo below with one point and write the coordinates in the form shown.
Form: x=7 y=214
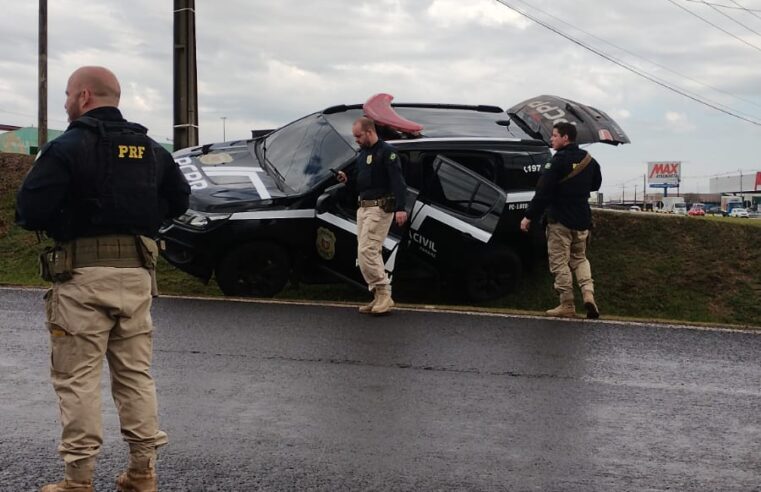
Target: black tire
x=257 y=269
x=492 y=274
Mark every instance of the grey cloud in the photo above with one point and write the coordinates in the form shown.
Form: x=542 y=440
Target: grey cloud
x=265 y=63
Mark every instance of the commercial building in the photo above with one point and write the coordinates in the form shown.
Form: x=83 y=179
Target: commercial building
x=23 y=140
x=738 y=183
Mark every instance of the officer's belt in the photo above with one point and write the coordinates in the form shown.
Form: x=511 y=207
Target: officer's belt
x=114 y=250
x=379 y=202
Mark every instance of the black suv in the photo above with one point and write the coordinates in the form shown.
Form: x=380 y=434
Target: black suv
x=269 y=209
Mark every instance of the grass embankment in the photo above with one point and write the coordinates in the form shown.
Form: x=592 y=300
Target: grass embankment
x=645 y=266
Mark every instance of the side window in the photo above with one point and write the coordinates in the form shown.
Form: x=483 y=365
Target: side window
x=461 y=191
x=415 y=168
x=520 y=171
x=480 y=163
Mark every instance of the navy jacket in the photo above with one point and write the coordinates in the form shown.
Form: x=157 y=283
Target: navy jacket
x=378 y=173
x=566 y=202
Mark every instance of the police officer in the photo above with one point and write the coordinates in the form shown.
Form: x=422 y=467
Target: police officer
x=382 y=192
x=563 y=191
x=101 y=190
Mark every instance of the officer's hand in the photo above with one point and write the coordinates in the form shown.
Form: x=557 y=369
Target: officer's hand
x=525 y=224
x=401 y=218
x=341 y=177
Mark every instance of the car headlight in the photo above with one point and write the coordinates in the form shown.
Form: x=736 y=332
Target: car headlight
x=200 y=220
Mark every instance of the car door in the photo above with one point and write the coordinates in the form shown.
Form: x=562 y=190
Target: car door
x=336 y=235
x=455 y=215
x=537 y=115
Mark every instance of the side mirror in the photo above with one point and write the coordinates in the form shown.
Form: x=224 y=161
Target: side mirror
x=322 y=203
x=324 y=200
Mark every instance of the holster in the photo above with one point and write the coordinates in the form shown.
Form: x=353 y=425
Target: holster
x=56 y=263
x=148 y=250
x=389 y=205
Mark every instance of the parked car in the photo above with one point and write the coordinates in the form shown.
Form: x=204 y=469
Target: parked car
x=714 y=210
x=268 y=209
x=635 y=208
x=739 y=212
x=697 y=210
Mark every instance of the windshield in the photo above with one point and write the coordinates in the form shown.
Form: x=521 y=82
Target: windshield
x=303 y=152
x=680 y=205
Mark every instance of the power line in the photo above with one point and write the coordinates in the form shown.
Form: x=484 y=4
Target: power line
x=646 y=59
x=732 y=19
x=714 y=25
x=629 y=68
x=750 y=11
x=738 y=6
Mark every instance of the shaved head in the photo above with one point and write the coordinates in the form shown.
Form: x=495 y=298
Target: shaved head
x=90 y=88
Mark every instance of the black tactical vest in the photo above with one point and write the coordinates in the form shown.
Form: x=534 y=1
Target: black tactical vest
x=120 y=190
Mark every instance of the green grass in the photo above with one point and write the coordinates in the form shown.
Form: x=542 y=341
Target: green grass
x=646 y=266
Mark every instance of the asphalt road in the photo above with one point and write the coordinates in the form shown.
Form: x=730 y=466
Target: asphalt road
x=291 y=397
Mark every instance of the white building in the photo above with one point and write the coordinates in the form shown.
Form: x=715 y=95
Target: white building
x=745 y=182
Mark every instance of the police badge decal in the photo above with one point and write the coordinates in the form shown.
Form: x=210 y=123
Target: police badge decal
x=326 y=243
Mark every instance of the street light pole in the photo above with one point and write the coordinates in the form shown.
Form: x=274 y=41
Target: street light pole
x=224 y=138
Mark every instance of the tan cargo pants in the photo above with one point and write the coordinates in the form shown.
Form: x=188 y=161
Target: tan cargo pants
x=372 y=228
x=567 y=251
x=103 y=311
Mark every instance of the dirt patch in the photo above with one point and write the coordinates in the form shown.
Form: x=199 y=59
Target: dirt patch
x=13 y=168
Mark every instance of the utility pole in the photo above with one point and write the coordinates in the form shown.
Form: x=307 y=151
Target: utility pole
x=223 y=118
x=42 y=69
x=185 y=75
x=635 y=193
x=644 y=190
x=623 y=194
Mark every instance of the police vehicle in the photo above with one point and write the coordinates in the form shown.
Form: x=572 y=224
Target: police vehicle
x=267 y=210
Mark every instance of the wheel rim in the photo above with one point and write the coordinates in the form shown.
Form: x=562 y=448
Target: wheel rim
x=261 y=275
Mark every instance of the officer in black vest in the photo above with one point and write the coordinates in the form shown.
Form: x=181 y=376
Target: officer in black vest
x=101 y=190
x=382 y=194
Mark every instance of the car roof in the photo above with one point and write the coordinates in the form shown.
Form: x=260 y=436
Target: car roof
x=448 y=121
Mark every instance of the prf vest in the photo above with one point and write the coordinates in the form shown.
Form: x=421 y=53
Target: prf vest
x=119 y=190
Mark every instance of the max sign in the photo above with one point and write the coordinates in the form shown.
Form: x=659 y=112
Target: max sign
x=664 y=174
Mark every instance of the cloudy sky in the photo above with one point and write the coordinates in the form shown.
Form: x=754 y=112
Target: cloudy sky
x=262 y=64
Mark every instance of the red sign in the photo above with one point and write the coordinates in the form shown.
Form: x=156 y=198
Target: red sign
x=664 y=174
x=758 y=181
x=664 y=169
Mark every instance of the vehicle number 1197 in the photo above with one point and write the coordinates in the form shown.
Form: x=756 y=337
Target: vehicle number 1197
x=534 y=168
